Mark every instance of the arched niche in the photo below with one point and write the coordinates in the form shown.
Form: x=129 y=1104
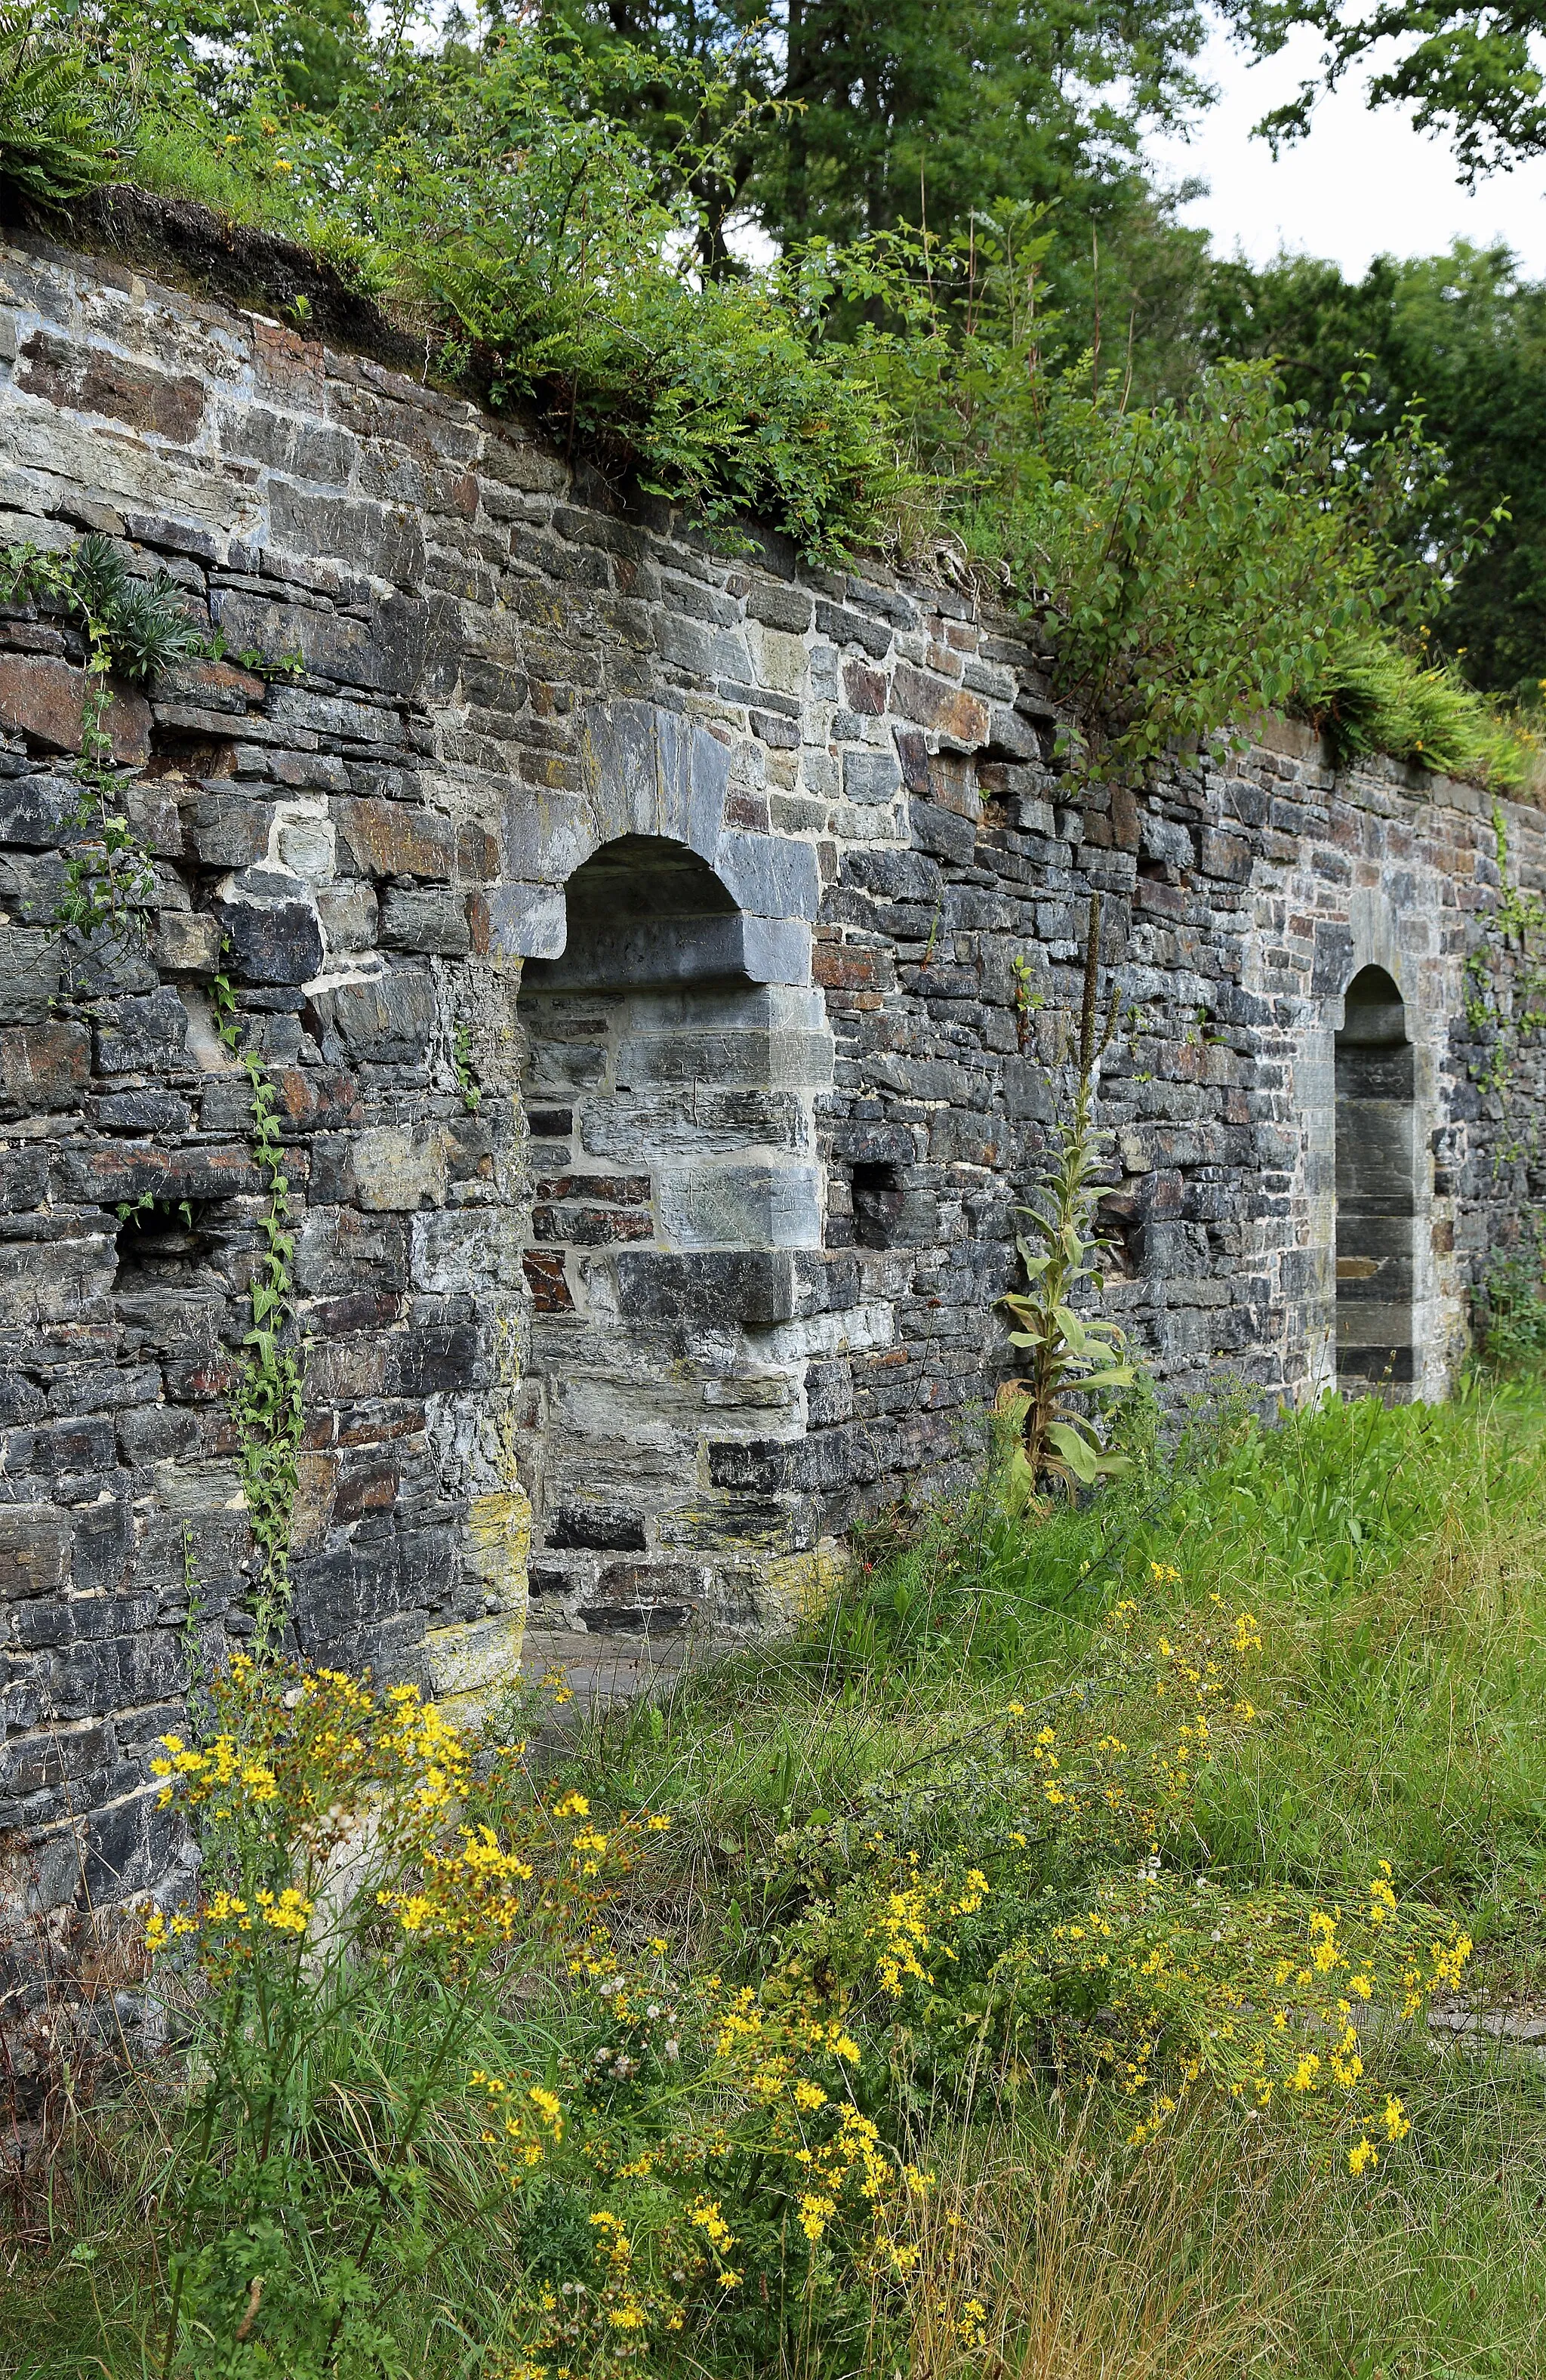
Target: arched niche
x=676 y=1196
x=1377 y=1185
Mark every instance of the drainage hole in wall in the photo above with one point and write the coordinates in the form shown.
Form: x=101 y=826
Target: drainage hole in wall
x=161 y=1243
x=878 y=1205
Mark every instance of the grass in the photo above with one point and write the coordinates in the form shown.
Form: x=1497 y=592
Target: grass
x=1396 y=1561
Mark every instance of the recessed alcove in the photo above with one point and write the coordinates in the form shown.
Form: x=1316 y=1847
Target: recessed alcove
x=1376 y=1190
x=676 y=1149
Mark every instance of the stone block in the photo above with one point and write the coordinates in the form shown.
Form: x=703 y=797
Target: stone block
x=45 y=701
x=384 y=654
x=779 y=606
x=1225 y=856
x=1165 y=840
x=23 y=1179
x=389 y=838
x=395 y=1170
x=433 y=1358
x=308 y=847
x=470 y=1659
x=44 y=1065
x=394 y=1010
x=34 y=1551
x=30 y=973
x=942 y=832
x=228 y=830
x=214 y=686
x=187 y=941
x=105 y=1172
x=141 y=1036
x=386 y=540
x=847 y=628
x=870 y=776
x=736 y=1206
x=94 y=380
x=154 y=818
x=930 y=701
x=472 y=1249
x=596 y=1528
x=769 y=875
x=425 y=919
x=347 y=914
x=38 y=811
x=962 y=1136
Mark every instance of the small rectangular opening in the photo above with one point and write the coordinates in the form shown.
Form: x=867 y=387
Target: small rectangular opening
x=878 y=1205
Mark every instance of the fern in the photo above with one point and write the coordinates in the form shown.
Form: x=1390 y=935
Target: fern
x=55 y=140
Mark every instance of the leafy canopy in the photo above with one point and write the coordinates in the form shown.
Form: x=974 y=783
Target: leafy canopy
x=1471 y=73
x=546 y=212
x=1462 y=339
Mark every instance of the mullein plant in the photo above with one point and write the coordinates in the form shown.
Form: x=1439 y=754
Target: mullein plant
x=1070 y=1355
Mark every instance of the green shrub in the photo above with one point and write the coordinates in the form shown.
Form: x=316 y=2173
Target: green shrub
x=1191 y=563
x=1513 y=1308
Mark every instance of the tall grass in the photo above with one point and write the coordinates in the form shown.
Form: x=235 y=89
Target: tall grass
x=1397 y=1561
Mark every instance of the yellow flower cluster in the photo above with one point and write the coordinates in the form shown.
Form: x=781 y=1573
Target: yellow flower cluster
x=219 y=1774
x=1256 y=1997
x=521 y=2124
x=904 y=1912
x=227 y=1914
x=303 y=1764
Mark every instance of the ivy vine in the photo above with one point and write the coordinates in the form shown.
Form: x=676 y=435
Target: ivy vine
x=133 y=629
x=1505 y=979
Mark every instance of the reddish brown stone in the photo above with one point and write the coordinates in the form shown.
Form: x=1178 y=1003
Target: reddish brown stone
x=477 y=855
x=865 y=689
x=547 y=1284
x=44 y=1065
x=932 y=703
x=392 y=839
x=91 y=380
x=45 y=701
x=838 y=968
x=217 y=686
x=1124 y=818
x=283 y=360
x=589 y=1227
x=316 y=1097
x=368 y=1491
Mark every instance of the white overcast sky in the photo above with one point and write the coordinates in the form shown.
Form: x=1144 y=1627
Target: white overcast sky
x=1362 y=185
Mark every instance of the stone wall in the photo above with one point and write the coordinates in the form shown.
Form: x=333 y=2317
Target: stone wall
x=665 y=965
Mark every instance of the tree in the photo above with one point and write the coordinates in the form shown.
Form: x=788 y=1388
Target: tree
x=874 y=113
x=1463 y=338
x=1471 y=73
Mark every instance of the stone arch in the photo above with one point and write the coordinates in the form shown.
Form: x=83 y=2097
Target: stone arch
x=677 y=1216
x=1377 y=1185
x=646 y=771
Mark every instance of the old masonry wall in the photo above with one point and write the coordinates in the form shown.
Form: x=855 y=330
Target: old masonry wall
x=665 y=967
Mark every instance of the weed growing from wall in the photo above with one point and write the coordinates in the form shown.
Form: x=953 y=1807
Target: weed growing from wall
x=132 y=629
x=1513 y=1302
x=267 y=1402
x=466 y=1077
x=1067 y=1354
